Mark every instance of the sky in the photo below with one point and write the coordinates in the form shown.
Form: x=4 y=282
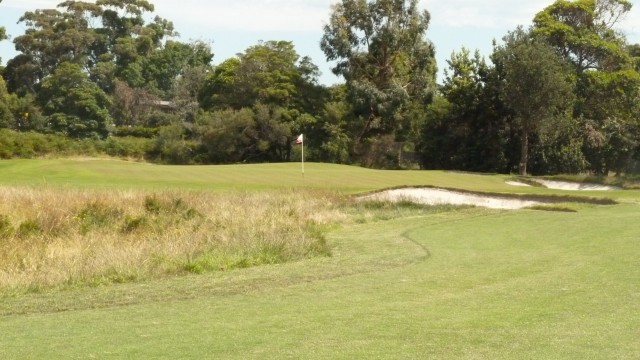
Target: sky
x=231 y=26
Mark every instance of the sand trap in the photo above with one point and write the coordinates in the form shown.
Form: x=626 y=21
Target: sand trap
x=430 y=196
x=517 y=183
x=565 y=185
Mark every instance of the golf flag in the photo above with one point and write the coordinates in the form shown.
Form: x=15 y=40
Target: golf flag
x=300 y=141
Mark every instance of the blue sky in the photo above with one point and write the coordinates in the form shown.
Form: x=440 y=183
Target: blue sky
x=234 y=25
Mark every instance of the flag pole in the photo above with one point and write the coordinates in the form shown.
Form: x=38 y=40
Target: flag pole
x=302 y=136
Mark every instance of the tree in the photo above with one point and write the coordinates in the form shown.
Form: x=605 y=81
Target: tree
x=280 y=89
x=74 y=105
x=164 y=66
x=538 y=89
x=70 y=34
x=387 y=62
x=583 y=31
x=269 y=73
x=611 y=119
x=5 y=113
x=466 y=126
x=6 y=117
x=634 y=51
x=227 y=136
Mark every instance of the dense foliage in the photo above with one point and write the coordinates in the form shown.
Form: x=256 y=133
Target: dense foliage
x=562 y=96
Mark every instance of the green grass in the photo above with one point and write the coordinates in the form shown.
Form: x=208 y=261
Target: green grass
x=122 y=174
x=402 y=283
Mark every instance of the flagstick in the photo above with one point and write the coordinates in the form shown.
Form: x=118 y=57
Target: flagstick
x=302 y=156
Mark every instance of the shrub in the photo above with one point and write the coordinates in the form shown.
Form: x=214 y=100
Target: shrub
x=98 y=215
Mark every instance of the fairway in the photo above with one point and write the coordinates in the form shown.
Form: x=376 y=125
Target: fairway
x=456 y=283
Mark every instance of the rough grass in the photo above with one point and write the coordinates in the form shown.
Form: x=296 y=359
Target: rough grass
x=60 y=238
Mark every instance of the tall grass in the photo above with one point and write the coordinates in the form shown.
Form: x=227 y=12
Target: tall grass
x=63 y=237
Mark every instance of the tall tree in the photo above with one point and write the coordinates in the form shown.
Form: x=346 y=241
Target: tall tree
x=107 y=38
x=538 y=88
x=584 y=32
x=381 y=50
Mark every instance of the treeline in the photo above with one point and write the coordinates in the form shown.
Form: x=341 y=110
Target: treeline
x=98 y=77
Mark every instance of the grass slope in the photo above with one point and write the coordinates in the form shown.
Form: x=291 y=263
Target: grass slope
x=121 y=174
x=461 y=283
x=117 y=174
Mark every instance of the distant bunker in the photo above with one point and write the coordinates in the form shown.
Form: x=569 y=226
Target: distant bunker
x=440 y=196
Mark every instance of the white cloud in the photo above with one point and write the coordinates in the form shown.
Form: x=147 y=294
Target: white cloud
x=28 y=5
x=488 y=14
x=248 y=16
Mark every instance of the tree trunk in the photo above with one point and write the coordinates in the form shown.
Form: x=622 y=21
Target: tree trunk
x=524 y=153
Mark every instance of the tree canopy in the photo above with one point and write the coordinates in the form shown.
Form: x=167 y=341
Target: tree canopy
x=382 y=52
x=559 y=95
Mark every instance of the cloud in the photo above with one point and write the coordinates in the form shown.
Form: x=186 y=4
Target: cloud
x=28 y=5
x=488 y=14
x=249 y=15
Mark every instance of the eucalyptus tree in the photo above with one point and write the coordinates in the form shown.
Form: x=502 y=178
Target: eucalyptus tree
x=584 y=32
x=381 y=50
x=108 y=39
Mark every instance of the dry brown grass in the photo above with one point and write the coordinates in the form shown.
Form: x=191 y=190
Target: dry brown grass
x=64 y=237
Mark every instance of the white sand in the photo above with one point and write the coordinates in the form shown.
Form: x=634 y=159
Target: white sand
x=517 y=183
x=440 y=197
x=564 y=185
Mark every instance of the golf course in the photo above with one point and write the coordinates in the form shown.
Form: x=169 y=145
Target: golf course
x=111 y=259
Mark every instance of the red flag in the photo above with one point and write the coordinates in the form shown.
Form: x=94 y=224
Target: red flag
x=300 y=139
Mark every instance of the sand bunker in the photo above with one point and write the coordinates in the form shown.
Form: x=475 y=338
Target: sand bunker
x=563 y=185
x=429 y=196
x=566 y=185
x=517 y=183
